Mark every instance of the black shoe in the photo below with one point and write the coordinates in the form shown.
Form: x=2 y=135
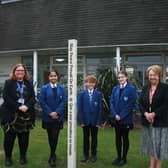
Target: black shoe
x=23 y=161
x=116 y=161
x=122 y=162
x=93 y=158
x=52 y=161
x=84 y=159
x=8 y=162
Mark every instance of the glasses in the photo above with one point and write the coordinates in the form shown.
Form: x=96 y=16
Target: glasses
x=20 y=70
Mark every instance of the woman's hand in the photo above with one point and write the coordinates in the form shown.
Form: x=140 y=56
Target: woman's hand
x=150 y=116
x=23 y=108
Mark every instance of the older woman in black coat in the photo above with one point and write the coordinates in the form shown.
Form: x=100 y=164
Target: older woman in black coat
x=153 y=102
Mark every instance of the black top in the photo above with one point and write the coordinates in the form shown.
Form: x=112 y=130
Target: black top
x=159 y=105
x=11 y=96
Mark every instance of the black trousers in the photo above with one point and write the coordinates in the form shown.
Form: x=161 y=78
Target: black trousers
x=87 y=131
x=9 y=139
x=53 y=134
x=122 y=141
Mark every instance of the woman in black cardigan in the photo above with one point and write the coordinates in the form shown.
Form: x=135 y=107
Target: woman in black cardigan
x=153 y=102
x=17 y=112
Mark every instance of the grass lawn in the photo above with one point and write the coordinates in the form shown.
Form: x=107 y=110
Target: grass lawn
x=38 y=151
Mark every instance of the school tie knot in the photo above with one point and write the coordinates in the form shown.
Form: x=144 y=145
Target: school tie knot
x=90 y=96
x=121 y=86
x=54 y=89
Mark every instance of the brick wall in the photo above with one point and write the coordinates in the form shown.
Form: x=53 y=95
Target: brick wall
x=31 y=24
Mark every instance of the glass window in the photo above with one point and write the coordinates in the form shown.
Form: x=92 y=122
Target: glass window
x=166 y=59
x=8 y=1
x=43 y=69
x=100 y=61
x=60 y=63
x=137 y=74
x=28 y=62
x=59 y=60
x=95 y=65
x=150 y=58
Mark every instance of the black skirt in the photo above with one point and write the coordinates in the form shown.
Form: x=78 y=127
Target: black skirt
x=128 y=126
x=54 y=124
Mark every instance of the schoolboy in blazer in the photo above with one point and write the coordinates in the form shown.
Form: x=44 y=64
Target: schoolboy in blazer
x=122 y=103
x=90 y=117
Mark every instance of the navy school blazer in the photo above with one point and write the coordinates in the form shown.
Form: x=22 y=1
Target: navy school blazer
x=123 y=104
x=89 y=113
x=50 y=104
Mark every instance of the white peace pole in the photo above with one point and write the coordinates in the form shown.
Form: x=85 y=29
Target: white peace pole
x=72 y=104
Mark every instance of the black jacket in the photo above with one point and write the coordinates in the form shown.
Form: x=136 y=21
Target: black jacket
x=10 y=104
x=159 y=105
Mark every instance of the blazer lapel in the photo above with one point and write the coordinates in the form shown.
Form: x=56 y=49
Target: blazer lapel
x=118 y=94
x=147 y=94
x=157 y=91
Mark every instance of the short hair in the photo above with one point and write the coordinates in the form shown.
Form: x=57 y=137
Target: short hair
x=155 y=68
x=91 y=79
x=123 y=73
x=12 y=74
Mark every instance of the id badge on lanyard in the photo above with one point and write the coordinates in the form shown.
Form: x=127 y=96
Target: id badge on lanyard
x=21 y=100
x=20 y=90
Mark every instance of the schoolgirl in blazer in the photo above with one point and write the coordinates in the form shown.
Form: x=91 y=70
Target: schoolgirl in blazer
x=123 y=104
x=53 y=102
x=50 y=104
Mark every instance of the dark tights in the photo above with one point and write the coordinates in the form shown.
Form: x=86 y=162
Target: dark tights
x=53 y=134
x=9 y=139
x=122 y=141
